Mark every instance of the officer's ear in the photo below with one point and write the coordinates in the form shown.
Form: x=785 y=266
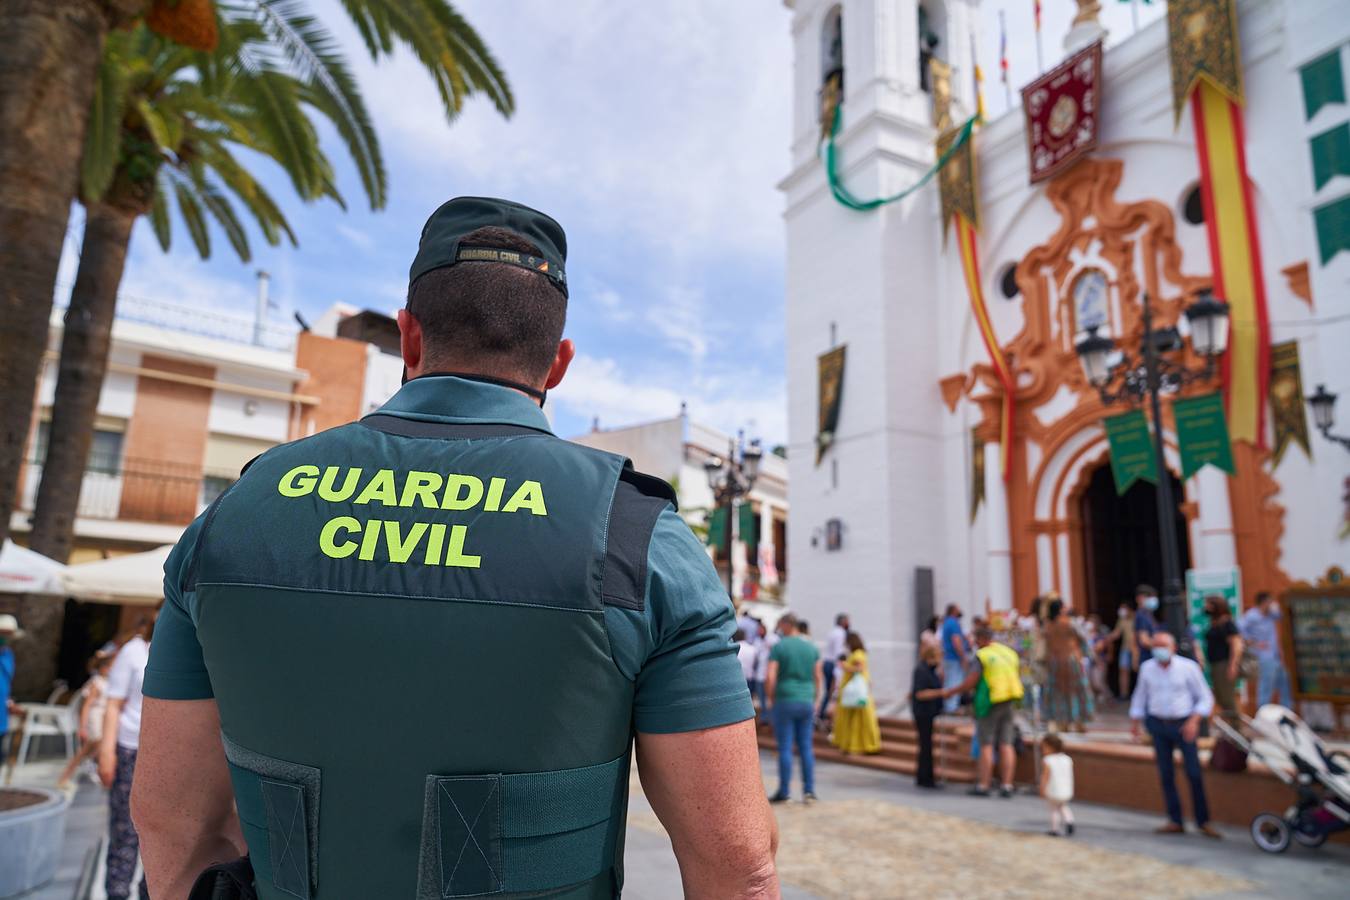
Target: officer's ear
x=410 y=342
x=566 y=351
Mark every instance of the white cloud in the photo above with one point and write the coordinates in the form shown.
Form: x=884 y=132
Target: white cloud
x=669 y=119
x=599 y=387
x=360 y=239
x=682 y=322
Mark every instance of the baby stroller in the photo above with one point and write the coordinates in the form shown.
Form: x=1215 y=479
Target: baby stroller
x=1321 y=779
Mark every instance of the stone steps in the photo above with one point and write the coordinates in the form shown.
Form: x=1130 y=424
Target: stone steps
x=899 y=749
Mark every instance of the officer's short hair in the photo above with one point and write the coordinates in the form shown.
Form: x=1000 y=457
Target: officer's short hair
x=489 y=318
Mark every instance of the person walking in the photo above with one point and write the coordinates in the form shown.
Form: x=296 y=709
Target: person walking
x=955 y=652
x=794 y=682
x=93 y=706
x=836 y=648
x=506 y=613
x=1068 y=699
x=746 y=654
x=925 y=702
x=1170 y=702
x=1056 y=784
x=995 y=676
x=119 y=742
x=856 y=729
x=1260 y=628
x=1127 y=650
x=1223 y=652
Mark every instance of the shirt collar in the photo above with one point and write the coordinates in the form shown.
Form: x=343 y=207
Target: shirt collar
x=447 y=398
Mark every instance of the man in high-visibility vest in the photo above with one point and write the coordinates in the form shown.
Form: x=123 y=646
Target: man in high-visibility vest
x=996 y=680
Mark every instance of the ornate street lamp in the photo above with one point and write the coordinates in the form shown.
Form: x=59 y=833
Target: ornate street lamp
x=730 y=480
x=1146 y=377
x=1323 y=404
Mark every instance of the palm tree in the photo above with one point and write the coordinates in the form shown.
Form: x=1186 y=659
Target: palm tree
x=48 y=74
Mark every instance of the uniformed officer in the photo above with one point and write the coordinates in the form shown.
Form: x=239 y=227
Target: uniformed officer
x=408 y=657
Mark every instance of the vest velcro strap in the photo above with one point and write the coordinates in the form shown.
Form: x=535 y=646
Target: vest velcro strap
x=485 y=834
x=278 y=805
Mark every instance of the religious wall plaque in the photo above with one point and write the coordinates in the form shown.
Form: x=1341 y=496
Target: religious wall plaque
x=1061 y=109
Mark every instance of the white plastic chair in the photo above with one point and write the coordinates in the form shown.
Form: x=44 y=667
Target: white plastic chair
x=50 y=720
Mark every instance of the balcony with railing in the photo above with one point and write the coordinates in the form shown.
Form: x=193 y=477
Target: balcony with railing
x=137 y=490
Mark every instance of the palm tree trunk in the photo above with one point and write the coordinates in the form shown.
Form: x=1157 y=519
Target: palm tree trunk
x=85 y=343
x=47 y=72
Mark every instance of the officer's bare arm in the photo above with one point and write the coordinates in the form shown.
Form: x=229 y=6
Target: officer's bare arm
x=181 y=799
x=706 y=789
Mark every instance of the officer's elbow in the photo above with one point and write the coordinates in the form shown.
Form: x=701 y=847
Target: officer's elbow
x=747 y=864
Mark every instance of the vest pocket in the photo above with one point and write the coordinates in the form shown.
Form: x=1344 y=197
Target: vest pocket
x=278 y=805
x=535 y=831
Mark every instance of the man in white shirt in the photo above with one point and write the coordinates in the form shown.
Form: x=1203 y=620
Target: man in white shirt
x=1170 y=700
x=117 y=760
x=836 y=647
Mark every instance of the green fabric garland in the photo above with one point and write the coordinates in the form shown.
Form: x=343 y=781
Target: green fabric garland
x=842 y=194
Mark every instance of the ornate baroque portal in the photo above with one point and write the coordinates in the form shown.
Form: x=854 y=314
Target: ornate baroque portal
x=1092 y=271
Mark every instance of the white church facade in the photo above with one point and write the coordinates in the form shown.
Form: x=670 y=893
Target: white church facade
x=890 y=524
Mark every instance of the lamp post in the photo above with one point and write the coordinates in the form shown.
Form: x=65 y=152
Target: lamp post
x=1146 y=377
x=1323 y=405
x=731 y=479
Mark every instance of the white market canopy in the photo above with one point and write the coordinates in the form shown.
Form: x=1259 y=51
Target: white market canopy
x=24 y=571
x=136 y=579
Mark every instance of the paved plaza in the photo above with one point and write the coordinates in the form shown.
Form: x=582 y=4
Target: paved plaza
x=874 y=835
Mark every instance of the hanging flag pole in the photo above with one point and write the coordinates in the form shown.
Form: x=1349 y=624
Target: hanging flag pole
x=1040 y=56
x=1003 y=59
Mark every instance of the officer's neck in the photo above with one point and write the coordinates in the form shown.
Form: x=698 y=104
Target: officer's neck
x=535 y=394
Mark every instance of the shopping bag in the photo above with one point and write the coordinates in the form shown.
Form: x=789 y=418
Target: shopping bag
x=855 y=693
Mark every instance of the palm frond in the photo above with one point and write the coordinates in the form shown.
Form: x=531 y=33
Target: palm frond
x=329 y=87
x=244 y=186
x=220 y=208
x=193 y=218
x=159 y=215
x=103 y=139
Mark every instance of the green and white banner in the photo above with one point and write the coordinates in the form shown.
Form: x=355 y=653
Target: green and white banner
x=1132 y=456
x=1202 y=434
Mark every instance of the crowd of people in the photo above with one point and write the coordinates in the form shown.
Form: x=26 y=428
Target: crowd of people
x=1053 y=663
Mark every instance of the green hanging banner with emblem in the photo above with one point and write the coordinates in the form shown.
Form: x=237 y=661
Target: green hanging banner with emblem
x=717 y=527
x=1202 y=434
x=1132 y=456
x=831 y=372
x=1286 y=401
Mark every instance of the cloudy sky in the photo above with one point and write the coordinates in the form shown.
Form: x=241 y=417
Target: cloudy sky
x=654 y=131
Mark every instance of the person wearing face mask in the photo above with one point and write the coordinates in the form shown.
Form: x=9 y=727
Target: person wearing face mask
x=1170 y=702
x=1145 y=621
x=1260 y=627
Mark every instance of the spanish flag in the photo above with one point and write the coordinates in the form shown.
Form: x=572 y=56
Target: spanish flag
x=1207 y=73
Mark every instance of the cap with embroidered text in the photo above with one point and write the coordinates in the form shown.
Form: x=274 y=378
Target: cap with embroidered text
x=442 y=243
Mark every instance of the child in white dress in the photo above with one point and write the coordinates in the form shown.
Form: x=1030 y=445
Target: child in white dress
x=1057 y=784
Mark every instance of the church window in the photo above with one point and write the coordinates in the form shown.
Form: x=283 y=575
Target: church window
x=832 y=46
x=1193 y=206
x=929 y=41
x=1007 y=282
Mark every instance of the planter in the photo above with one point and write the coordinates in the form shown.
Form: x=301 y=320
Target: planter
x=32 y=827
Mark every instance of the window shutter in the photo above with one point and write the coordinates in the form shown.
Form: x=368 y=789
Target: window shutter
x=1331 y=154
x=1323 y=82
x=1333 y=227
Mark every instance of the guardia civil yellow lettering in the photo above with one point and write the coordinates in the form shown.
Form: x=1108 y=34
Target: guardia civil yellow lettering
x=427 y=543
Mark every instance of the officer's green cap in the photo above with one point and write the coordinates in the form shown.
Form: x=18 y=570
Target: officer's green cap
x=442 y=238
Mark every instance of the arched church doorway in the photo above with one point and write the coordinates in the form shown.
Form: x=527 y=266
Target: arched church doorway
x=1121 y=545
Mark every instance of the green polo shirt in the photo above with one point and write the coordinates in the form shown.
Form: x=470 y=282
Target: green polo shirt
x=796 y=658
x=677 y=649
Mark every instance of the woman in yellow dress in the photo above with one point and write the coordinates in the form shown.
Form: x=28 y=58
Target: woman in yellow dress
x=855 y=727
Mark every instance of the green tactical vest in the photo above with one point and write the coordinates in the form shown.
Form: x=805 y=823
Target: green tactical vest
x=403 y=622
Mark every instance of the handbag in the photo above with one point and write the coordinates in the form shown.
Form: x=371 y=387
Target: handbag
x=856 y=692
x=1249 y=666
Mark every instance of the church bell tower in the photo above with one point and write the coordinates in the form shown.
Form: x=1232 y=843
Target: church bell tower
x=869 y=527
